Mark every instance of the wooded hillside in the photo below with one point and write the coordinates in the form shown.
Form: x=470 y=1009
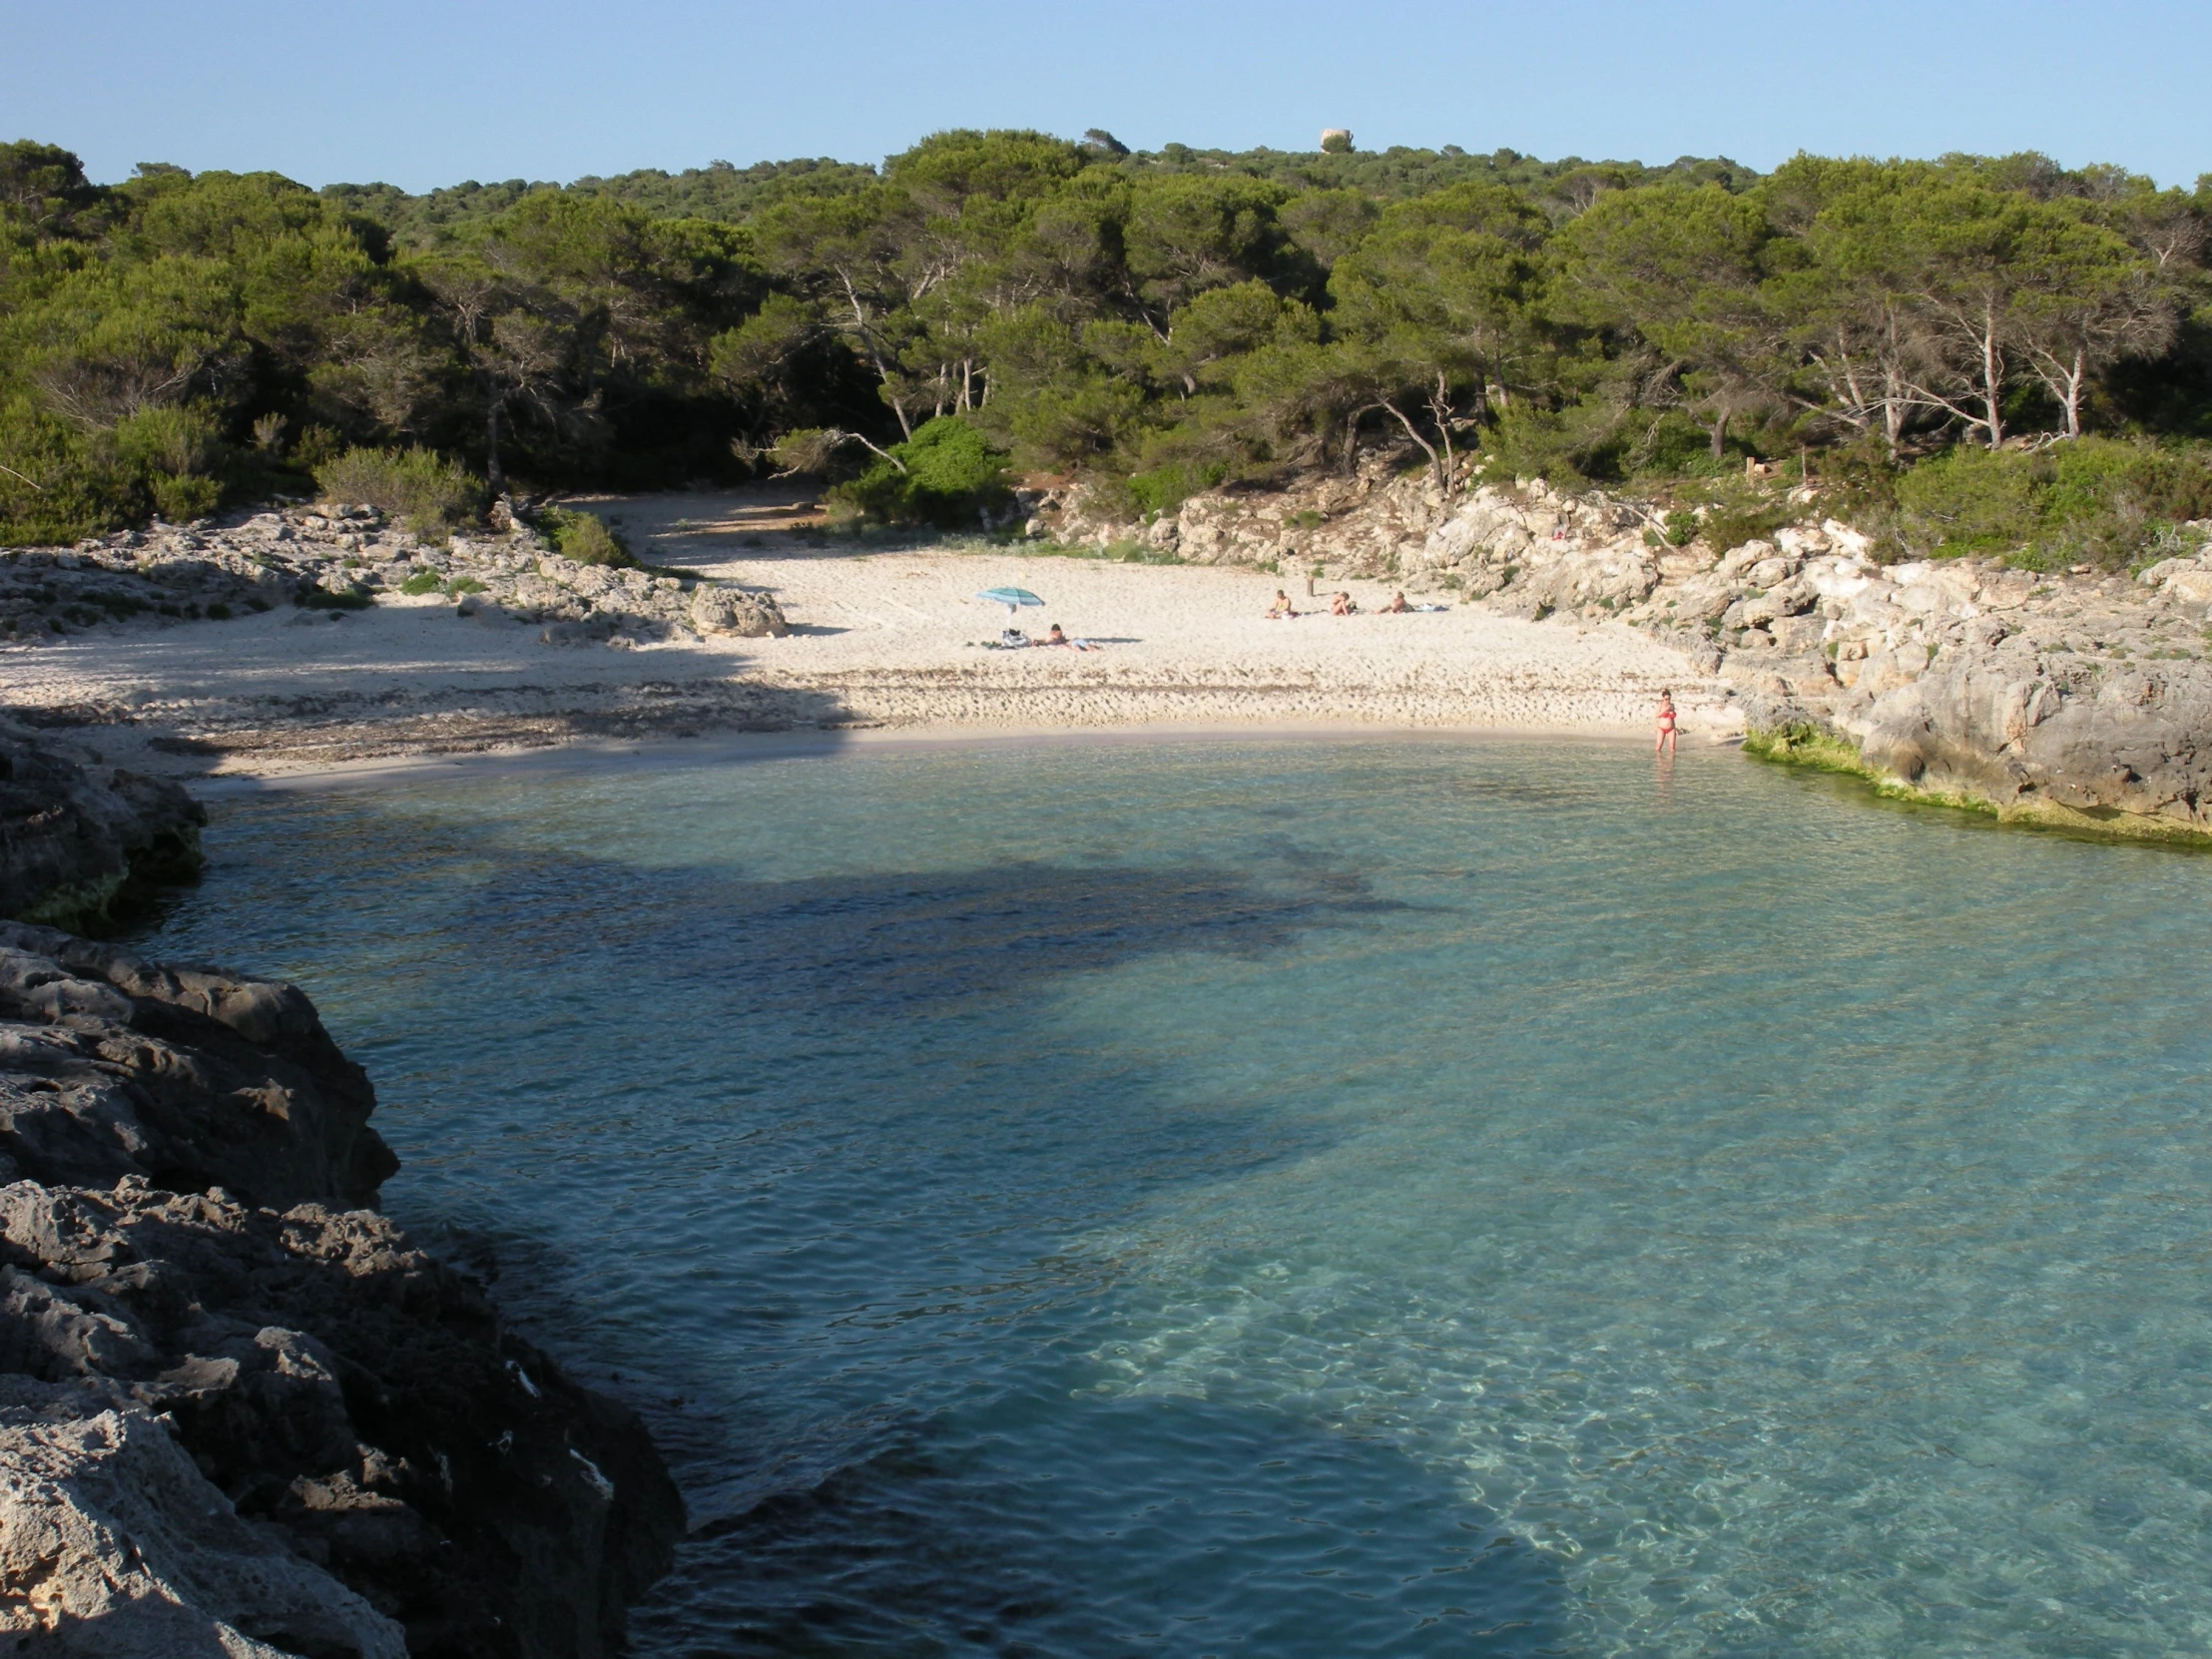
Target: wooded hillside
x=1167 y=321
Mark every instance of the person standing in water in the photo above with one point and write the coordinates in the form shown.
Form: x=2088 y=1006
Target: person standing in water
x=1665 y=744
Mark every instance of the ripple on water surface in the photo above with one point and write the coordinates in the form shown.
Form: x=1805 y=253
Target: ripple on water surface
x=1403 y=1199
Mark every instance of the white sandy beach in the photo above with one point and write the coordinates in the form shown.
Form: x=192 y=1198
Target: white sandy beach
x=880 y=640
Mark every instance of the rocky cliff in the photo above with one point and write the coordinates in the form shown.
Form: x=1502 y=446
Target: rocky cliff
x=2076 y=697
x=240 y=1412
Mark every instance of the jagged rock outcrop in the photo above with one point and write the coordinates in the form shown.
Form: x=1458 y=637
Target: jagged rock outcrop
x=2077 y=698
x=186 y=1260
x=78 y=839
x=114 y=1542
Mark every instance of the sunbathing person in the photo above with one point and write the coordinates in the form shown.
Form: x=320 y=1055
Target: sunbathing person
x=1397 y=606
x=1280 y=607
x=1053 y=636
x=1342 y=605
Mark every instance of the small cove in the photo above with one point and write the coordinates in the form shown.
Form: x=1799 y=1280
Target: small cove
x=1401 y=1197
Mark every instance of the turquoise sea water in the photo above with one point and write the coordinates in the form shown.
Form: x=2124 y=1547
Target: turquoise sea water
x=1309 y=1199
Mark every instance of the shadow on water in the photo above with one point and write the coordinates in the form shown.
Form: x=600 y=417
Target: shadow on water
x=927 y=1508
x=880 y=946
x=1176 y=1526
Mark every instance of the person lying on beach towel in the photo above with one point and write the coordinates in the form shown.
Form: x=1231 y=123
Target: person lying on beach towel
x=1280 y=607
x=1055 y=637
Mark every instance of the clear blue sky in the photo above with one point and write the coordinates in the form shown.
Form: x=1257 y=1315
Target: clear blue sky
x=424 y=94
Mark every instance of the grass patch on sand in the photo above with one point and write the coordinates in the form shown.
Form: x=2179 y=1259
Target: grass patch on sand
x=323 y=599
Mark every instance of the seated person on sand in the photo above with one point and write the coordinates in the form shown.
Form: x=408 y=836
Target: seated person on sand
x=1280 y=607
x=1053 y=636
x=1342 y=605
x=1397 y=606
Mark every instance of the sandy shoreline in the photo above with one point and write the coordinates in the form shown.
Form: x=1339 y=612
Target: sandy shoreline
x=736 y=747
x=885 y=642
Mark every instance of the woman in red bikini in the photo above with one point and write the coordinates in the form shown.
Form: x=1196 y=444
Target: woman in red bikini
x=1665 y=744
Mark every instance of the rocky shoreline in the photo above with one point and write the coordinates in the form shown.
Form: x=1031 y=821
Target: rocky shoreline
x=240 y=1412
x=2076 y=699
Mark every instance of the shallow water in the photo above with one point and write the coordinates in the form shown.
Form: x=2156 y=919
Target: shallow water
x=1309 y=1199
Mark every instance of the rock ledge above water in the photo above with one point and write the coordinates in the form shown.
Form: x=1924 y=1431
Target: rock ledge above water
x=239 y=1411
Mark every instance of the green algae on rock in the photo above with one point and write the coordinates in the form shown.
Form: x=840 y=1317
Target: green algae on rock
x=1815 y=749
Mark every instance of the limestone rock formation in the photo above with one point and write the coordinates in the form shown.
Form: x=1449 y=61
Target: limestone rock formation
x=722 y=610
x=335 y=558
x=112 y=1542
x=2077 y=698
x=187 y=1077
x=78 y=839
x=183 y=1263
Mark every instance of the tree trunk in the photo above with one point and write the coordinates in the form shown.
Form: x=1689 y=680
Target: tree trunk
x=1992 y=376
x=876 y=357
x=873 y=448
x=492 y=473
x=1718 y=432
x=1440 y=407
x=1436 y=461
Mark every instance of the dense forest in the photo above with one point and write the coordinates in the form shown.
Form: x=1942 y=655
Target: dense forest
x=1992 y=343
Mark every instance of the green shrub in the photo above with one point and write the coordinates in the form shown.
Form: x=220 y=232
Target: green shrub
x=421 y=487
x=463 y=584
x=1533 y=443
x=1669 y=446
x=63 y=480
x=585 y=537
x=420 y=583
x=951 y=477
x=2101 y=502
x=1972 y=501
x=1162 y=490
x=181 y=496
x=1737 y=522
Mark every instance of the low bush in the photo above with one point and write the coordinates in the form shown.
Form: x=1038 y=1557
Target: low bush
x=183 y=496
x=428 y=493
x=1535 y=444
x=585 y=537
x=420 y=583
x=945 y=475
x=323 y=599
x=59 y=480
x=1162 y=490
x=1733 y=523
x=2106 y=502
